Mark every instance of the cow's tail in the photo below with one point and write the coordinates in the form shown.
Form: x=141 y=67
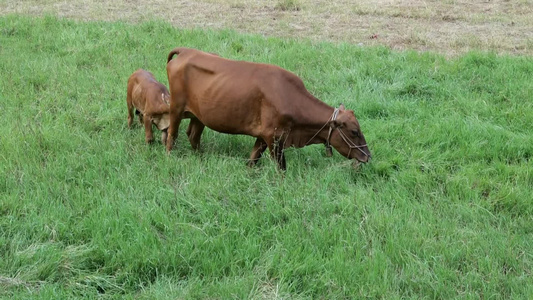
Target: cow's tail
x=175 y=51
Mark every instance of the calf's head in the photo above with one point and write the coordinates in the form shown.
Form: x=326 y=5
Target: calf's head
x=162 y=121
x=346 y=136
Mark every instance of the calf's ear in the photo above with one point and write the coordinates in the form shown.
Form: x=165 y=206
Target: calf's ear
x=335 y=123
x=341 y=107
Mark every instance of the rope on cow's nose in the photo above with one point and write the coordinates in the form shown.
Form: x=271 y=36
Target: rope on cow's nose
x=351 y=144
x=345 y=138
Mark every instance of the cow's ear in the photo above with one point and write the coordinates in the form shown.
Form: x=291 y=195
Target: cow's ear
x=341 y=107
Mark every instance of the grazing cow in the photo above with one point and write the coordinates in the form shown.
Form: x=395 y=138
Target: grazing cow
x=260 y=100
x=150 y=99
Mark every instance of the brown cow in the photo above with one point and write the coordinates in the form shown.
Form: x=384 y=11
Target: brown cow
x=264 y=101
x=150 y=99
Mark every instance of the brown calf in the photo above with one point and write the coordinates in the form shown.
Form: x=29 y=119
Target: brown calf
x=150 y=99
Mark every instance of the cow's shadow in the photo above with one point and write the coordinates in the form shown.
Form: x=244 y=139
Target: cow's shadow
x=221 y=144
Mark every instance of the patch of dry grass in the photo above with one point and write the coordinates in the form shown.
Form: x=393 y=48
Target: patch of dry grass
x=446 y=26
x=9 y=282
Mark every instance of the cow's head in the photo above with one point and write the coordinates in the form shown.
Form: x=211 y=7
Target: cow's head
x=346 y=135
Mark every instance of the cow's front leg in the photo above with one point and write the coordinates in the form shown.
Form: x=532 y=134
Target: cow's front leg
x=259 y=147
x=178 y=100
x=281 y=159
x=194 y=132
x=140 y=116
x=148 y=129
x=276 y=152
x=175 y=120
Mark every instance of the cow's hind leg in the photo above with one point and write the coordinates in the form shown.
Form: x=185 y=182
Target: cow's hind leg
x=148 y=129
x=194 y=132
x=259 y=147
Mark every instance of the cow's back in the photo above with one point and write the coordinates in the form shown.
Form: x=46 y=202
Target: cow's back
x=235 y=96
x=219 y=92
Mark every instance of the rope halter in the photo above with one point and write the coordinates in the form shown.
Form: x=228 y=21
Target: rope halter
x=343 y=135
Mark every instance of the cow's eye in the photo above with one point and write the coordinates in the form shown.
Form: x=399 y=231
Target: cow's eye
x=355 y=133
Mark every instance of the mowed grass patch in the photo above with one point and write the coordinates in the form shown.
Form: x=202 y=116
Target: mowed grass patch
x=87 y=209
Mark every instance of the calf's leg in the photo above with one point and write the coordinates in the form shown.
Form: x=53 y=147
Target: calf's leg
x=130 y=109
x=164 y=136
x=140 y=115
x=148 y=129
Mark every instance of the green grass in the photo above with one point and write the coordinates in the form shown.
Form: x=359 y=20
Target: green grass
x=88 y=210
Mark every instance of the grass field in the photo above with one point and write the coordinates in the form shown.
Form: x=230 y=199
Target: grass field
x=88 y=210
x=451 y=27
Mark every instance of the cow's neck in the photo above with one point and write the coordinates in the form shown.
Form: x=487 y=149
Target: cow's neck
x=313 y=128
